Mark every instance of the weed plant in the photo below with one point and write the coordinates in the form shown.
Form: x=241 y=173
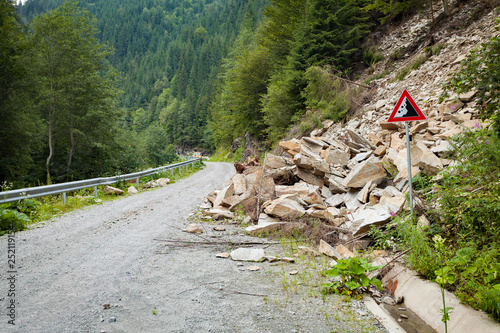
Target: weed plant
x=461 y=248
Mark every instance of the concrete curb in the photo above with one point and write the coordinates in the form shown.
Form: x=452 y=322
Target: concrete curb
x=382 y=315
x=424 y=299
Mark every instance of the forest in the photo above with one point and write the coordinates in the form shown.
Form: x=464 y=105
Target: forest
x=99 y=87
x=107 y=87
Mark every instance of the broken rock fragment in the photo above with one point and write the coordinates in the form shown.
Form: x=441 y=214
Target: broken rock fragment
x=194 y=228
x=285 y=208
x=327 y=249
x=364 y=172
x=112 y=190
x=244 y=254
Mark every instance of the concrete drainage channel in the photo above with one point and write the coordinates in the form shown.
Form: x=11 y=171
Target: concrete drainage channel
x=422 y=299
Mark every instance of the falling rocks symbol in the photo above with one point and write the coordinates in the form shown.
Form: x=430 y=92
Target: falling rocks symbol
x=406 y=110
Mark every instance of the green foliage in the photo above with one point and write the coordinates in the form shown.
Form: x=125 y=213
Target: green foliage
x=372 y=55
x=332 y=34
x=157 y=151
x=466 y=214
x=352 y=273
x=422 y=256
x=413 y=65
x=481 y=71
x=392 y=8
x=18 y=122
x=382 y=239
x=469 y=192
x=327 y=92
x=276 y=73
x=15 y=216
x=443 y=277
x=283 y=104
x=476 y=272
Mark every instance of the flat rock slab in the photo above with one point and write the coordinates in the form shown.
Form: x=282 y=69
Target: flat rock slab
x=244 y=254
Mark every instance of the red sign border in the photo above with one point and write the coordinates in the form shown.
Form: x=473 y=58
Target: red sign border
x=393 y=119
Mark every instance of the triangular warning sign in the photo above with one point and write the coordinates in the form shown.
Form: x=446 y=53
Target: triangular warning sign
x=406 y=109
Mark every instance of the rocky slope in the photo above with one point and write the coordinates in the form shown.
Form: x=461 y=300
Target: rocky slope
x=355 y=175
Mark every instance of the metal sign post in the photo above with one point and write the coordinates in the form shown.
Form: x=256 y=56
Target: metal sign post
x=407 y=110
x=408 y=154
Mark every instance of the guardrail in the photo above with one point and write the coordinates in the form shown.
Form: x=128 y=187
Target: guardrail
x=40 y=191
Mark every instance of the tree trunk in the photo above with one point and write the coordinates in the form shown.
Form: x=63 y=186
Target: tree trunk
x=50 y=128
x=72 y=141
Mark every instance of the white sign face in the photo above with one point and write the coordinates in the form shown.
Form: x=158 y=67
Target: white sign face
x=406 y=109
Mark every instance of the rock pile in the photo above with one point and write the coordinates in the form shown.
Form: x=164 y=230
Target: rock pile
x=355 y=175
x=349 y=176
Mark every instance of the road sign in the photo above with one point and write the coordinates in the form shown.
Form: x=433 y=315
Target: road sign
x=406 y=109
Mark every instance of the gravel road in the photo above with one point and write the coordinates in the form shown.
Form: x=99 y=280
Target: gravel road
x=68 y=271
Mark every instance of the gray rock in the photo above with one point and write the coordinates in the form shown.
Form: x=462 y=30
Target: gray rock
x=244 y=254
x=364 y=172
x=194 y=228
x=112 y=190
x=327 y=249
x=388 y=300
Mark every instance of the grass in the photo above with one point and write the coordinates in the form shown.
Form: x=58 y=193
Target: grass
x=413 y=65
x=377 y=76
x=419 y=61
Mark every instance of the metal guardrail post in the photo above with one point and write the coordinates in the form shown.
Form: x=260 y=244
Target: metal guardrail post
x=95 y=191
x=137 y=182
x=64 y=197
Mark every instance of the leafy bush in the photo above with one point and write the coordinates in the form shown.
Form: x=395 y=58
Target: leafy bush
x=14 y=216
x=481 y=71
x=477 y=274
x=465 y=208
x=422 y=256
x=352 y=273
x=469 y=194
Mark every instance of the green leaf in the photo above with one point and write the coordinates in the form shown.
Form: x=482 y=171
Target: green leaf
x=352 y=285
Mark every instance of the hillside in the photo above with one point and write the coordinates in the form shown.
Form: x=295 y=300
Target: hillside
x=168 y=53
x=154 y=65
x=345 y=185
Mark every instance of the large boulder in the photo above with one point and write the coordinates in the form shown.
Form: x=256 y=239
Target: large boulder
x=369 y=170
x=363 y=219
x=225 y=193
x=112 y=190
x=335 y=156
x=240 y=183
x=301 y=188
x=330 y=214
x=285 y=208
x=311 y=147
x=272 y=161
x=317 y=165
x=425 y=159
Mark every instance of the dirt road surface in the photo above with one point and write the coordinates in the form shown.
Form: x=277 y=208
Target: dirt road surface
x=103 y=269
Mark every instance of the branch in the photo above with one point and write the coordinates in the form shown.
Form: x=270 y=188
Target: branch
x=238 y=292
